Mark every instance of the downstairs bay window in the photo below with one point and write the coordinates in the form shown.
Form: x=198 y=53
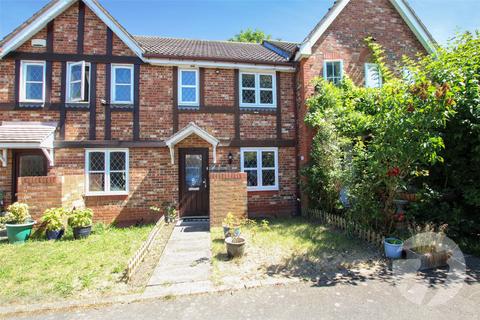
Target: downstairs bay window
x=261 y=166
x=106 y=172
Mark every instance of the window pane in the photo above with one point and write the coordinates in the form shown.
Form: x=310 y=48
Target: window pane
x=34 y=73
x=118 y=181
x=75 y=90
x=266 y=97
x=189 y=94
x=266 y=81
x=97 y=161
x=75 y=73
x=96 y=182
x=329 y=69
x=193 y=170
x=117 y=161
x=188 y=78
x=268 y=159
x=123 y=75
x=31 y=166
x=336 y=69
x=248 y=80
x=268 y=177
x=123 y=93
x=248 y=96
x=252 y=178
x=250 y=159
x=34 y=91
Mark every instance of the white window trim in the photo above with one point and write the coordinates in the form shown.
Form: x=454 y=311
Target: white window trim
x=196 y=86
x=23 y=78
x=325 y=68
x=259 y=168
x=257 y=89
x=67 y=93
x=113 y=83
x=106 y=172
x=367 y=77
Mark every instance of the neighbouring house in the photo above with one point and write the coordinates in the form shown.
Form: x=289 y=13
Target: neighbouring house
x=92 y=115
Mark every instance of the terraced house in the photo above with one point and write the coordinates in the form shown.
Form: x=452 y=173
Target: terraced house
x=93 y=115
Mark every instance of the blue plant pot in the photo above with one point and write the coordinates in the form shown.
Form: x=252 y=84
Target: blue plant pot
x=82 y=232
x=55 y=234
x=393 y=251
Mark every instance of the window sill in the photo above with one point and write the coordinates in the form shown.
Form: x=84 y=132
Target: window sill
x=262 y=189
x=106 y=194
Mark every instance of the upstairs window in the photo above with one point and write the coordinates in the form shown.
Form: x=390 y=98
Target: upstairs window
x=333 y=71
x=78 y=81
x=107 y=172
x=122 y=84
x=261 y=166
x=32 y=81
x=257 y=90
x=188 y=87
x=373 y=77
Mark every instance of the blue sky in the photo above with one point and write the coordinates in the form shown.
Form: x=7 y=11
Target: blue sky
x=220 y=19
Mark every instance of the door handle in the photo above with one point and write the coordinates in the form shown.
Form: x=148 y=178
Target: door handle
x=205 y=183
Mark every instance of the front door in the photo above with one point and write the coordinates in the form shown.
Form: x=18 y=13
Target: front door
x=27 y=163
x=193 y=184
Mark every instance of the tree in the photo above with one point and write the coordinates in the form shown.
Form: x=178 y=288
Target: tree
x=249 y=35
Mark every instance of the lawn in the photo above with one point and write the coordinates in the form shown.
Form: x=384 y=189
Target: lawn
x=42 y=270
x=288 y=248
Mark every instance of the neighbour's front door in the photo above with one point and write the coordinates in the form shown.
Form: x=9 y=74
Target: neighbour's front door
x=27 y=163
x=193 y=184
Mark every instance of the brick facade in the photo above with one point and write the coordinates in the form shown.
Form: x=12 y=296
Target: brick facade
x=152 y=177
x=228 y=193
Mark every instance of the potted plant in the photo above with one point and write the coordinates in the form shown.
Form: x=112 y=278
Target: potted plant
x=231 y=225
x=54 y=220
x=18 y=222
x=81 y=222
x=169 y=209
x=235 y=245
x=393 y=248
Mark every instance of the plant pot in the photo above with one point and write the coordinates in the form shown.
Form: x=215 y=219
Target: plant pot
x=82 y=232
x=19 y=233
x=55 y=234
x=235 y=246
x=429 y=260
x=393 y=251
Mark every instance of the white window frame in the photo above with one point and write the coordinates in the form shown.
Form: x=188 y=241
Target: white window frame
x=368 y=83
x=196 y=86
x=23 y=80
x=82 y=99
x=257 y=89
x=114 y=84
x=259 y=168
x=106 y=172
x=325 y=76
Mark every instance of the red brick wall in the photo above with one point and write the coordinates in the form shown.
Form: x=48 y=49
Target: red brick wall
x=219 y=87
x=228 y=193
x=40 y=193
x=344 y=39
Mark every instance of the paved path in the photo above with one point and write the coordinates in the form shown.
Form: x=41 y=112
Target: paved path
x=366 y=300
x=185 y=266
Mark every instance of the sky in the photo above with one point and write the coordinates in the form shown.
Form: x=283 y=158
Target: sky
x=288 y=20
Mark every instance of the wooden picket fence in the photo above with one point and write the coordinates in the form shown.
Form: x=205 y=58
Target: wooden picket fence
x=137 y=258
x=343 y=224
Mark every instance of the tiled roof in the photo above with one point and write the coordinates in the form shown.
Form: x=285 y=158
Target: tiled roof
x=288 y=47
x=208 y=50
x=25 y=132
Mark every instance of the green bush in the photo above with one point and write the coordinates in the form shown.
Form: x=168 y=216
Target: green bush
x=81 y=218
x=55 y=218
x=17 y=213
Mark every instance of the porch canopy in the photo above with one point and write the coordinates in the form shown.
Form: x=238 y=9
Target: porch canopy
x=191 y=128
x=27 y=135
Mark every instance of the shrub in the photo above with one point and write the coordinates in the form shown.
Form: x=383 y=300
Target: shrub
x=17 y=213
x=81 y=218
x=55 y=218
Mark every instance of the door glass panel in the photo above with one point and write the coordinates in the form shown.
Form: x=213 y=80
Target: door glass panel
x=31 y=166
x=193 y=170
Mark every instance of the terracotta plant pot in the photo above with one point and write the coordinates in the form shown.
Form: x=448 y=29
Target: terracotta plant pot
x=235 y=246
x=429 y=260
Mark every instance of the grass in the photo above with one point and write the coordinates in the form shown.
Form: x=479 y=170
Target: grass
x=41 y=270
x=293 y=247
